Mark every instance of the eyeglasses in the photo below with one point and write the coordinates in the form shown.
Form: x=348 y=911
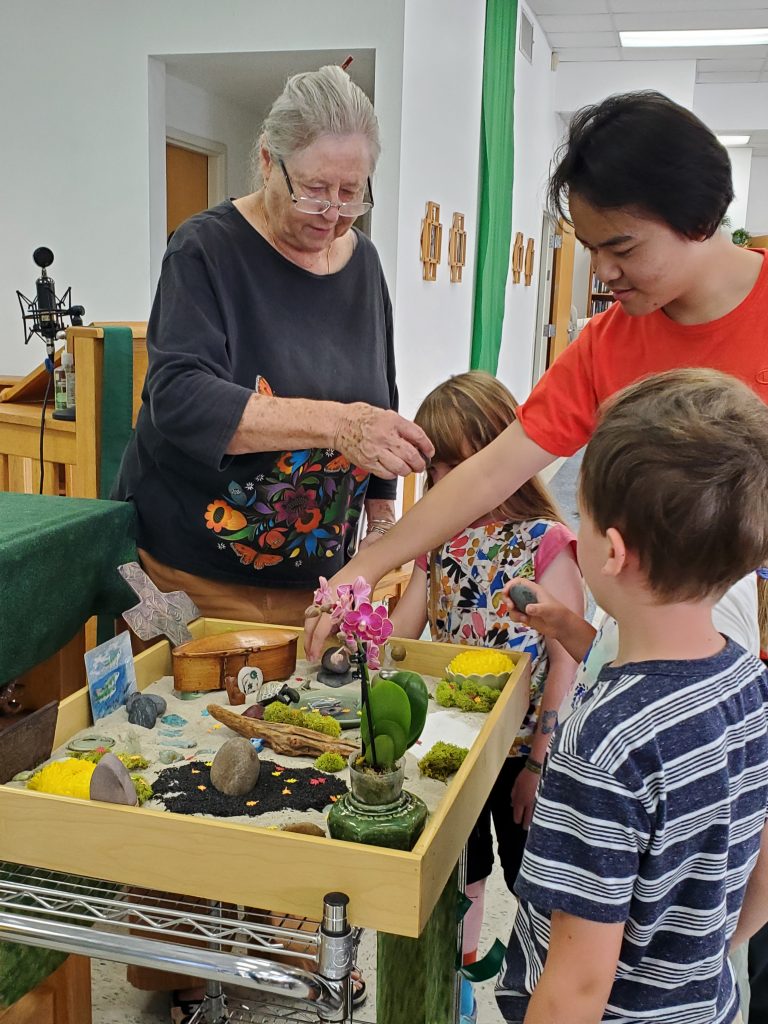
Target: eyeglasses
x=304 y=204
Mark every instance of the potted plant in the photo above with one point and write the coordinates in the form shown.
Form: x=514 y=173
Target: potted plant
x=741 y=237
x=393 y=712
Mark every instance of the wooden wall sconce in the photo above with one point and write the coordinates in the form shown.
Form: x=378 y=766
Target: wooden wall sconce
x=431 y=241
x=529 y=261
x=457 y=247
x=517 y=258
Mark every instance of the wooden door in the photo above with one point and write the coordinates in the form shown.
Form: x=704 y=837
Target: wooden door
x=562 y=290
x=186 y=176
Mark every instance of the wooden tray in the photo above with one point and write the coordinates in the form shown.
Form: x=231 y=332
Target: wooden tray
x=390 y=890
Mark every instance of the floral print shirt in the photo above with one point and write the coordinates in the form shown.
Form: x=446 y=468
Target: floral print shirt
x=465 y=584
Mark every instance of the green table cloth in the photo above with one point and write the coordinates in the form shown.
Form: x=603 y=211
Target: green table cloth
x=58 y=567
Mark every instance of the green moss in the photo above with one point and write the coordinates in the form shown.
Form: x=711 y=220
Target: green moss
x=330 y=762
x=133 y=762
x=442 y=761
x=466 y=696
x=143 y=789
x=278 y=712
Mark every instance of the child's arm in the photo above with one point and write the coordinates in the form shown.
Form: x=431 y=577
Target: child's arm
x=578 y=973
x=754 y=910
x=564 y=583
x=553 y=619
x=409 y=616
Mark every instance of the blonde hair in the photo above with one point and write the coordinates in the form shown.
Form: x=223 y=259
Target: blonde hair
x=463 y=415
x=314 y=104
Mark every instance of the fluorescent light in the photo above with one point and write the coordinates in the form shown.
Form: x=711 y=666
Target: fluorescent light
x=698 y=37
x=733 y=140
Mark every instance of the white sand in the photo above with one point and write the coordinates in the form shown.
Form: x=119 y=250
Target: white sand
x=208 y=735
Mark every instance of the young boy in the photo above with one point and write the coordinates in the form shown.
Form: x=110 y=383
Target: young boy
x=652 y=810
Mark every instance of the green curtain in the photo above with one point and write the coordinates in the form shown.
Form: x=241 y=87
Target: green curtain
x=497 y=150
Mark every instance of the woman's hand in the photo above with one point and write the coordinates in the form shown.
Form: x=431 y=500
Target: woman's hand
x=381 y=441
x=523 y=797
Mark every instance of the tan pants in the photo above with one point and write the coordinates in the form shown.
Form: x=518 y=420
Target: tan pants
x=278 y=606
x=217 y=600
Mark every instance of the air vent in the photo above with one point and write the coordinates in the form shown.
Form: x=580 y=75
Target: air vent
x=526 y=36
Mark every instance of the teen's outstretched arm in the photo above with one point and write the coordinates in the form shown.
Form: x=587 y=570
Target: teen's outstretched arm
x=465 y=494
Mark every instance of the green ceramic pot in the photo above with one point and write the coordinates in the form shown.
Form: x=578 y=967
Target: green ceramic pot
x=377 y=811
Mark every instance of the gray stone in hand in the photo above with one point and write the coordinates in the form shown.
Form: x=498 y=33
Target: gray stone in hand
x=235 y=769
x=521 y=596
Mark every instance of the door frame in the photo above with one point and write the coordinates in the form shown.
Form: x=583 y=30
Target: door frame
x=217 y=160
x=544 y=298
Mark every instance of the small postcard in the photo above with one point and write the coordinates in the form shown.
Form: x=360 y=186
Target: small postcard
x=111 y=675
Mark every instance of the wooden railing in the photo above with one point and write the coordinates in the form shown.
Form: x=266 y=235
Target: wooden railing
x=71 y=448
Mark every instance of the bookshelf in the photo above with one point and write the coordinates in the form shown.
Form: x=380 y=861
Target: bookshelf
x=599 y=298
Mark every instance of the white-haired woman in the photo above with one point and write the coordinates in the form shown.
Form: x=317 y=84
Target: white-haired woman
x=269 y=415
x=269 y=411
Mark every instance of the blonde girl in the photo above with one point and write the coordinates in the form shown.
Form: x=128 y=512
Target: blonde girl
x=458 y=590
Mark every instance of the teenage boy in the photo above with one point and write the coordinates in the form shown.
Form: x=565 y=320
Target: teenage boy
x=652 y=810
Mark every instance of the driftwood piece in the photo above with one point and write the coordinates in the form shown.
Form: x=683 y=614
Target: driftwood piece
x=282 y=738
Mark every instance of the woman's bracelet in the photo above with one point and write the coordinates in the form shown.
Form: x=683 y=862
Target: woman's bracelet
x=533 y=766
x=381 y=526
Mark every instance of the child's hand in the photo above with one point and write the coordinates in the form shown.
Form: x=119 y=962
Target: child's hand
x=523 y=797
x=546 y=616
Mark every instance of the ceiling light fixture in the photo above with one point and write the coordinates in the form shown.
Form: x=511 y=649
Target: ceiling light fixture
x=697 y=37
x=733 y=140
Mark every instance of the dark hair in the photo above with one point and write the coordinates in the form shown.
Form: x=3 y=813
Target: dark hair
x=639 y=149
x=678 y=465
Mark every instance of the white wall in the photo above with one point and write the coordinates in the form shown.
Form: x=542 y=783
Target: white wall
x=439 y=146
x=757 y=211
x=194 y=110
x=741 y=163
x=537 y=133
x=732 y=106
x=581 y=83
x=76 y=102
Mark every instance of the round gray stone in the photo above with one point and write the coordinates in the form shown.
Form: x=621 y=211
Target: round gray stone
x=235 y=769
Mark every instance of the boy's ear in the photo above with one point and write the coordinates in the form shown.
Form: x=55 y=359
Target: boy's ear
x=616 y=558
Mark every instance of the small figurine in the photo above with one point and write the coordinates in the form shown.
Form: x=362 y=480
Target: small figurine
x=335 y=667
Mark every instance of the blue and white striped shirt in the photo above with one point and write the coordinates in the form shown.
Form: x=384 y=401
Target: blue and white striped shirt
x=650 y=813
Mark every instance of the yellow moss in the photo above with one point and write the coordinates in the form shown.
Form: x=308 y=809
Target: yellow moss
x=64 y=778
x=470 y=663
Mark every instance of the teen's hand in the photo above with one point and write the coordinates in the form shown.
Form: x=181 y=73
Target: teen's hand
x=547 y=615
x=523 y=797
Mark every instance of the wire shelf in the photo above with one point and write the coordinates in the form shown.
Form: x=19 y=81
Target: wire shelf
x=242 y=1010
x=51 y=896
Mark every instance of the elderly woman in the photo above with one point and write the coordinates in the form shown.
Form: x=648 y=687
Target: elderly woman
x=269 y=415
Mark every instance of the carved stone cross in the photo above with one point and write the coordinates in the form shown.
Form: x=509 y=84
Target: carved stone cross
x=157 y=614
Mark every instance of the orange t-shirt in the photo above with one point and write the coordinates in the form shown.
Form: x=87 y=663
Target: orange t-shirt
x=615 y=349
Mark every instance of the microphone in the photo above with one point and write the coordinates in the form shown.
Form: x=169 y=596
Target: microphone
x=44 y=316
x=48 y=320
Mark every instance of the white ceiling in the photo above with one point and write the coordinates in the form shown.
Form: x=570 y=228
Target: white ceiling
x=588 y=30
x=253 y=80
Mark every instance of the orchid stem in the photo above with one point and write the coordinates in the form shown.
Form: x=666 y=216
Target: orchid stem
x=365 y=695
